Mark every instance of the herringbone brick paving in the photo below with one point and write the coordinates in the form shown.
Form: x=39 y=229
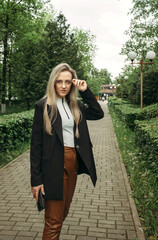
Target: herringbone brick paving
x=103 y=212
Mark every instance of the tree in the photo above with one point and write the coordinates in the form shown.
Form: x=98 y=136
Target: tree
x=85 y=41
x=36 y=42
x=28 y=54
x=58 y=44
x=143 y=31
x=98 y=78
x=13 y=16
x=143 y=36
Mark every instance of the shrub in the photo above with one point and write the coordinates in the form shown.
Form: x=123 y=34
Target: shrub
x=14 y=129
x=129 y=113
x=146 y=137
x=112 y=101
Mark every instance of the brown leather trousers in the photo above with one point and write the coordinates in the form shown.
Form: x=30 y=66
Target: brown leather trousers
x=57 y=211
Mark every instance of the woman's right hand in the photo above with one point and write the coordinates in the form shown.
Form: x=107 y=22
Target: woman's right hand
x=36 y=189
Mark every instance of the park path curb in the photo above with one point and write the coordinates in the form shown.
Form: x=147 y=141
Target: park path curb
x=140 y=232
x=14 y=160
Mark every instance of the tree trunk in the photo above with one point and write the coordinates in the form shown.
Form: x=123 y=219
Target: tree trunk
x=28 y=104
x=9 y=87
x=4 y=71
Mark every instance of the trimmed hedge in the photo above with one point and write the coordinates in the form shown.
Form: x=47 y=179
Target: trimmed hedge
x=146 y=137
x=129 y=113
x=116 y=101
x=145 y=124
x=14 y=129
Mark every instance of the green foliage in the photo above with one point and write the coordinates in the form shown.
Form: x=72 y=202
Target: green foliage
x=39 y=40
x=15 y=19
x=85 y=41
x=150 y=80
x=112 y=101
x=146 y=137
x=15 y=129
x=25 y=66
x=9 y=155
x=142 y=33
x=129 y=113
x=143 y=29
x=150 y=89
x=143 y=181
x=97 y=78
x=16 y=107
x=146 y=131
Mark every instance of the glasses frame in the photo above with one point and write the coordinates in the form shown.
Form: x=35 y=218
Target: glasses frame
x=60 y=82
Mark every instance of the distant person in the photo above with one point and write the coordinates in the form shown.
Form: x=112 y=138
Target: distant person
x=60 y=144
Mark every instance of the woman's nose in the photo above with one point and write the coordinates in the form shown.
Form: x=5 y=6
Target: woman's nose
x=63 y=85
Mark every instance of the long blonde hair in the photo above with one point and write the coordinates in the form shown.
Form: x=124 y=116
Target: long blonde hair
x=52 y=98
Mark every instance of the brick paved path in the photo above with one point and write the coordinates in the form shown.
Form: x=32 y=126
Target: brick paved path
x=103 y=212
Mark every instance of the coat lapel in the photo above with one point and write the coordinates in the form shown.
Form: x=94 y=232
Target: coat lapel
x=57 y=125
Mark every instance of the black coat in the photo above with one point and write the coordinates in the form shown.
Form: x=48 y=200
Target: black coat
x=47 y=152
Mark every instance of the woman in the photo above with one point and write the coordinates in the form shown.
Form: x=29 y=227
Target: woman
x=60 y=145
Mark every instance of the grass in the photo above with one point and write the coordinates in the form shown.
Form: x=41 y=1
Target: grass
x=143 y=182
x=7 y=157
x=15 y=108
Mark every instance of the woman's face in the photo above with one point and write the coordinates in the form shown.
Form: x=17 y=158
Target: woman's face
x=63 y=84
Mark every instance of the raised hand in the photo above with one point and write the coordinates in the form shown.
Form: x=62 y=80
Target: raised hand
x=80 y=84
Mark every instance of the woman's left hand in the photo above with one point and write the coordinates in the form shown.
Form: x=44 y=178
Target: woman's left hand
x=80 y=84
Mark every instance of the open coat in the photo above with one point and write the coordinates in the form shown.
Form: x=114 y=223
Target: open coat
x=47 y=152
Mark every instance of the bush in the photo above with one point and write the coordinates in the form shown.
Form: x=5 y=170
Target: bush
x=145 y=124
x=14 y=129
x=146 y=137
x=112 y=101
x=150 y=111
x=129 y=113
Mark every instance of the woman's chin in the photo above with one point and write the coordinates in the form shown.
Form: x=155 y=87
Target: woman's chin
x=62 y=94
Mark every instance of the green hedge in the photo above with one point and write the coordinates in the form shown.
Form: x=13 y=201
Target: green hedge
x=14 y=129
x=112 y=101
x=146 y=137
x=145 y=124
x=129 y=113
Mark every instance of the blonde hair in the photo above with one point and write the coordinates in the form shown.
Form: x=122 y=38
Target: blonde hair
x=52 y=98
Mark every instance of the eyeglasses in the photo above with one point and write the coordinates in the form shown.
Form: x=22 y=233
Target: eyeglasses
x=60 y=82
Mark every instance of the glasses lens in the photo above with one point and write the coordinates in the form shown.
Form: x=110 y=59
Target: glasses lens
x=60 y=82
x=68 y=82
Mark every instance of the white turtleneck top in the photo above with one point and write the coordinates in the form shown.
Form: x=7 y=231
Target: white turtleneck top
x=67 y=122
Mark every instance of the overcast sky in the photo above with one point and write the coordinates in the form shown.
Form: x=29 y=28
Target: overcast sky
x=107 y=20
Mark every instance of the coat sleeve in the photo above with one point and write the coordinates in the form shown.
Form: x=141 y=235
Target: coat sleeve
x=93 y=111
x=36 y=147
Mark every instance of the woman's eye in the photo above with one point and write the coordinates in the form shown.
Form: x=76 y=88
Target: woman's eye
x=68 y=82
